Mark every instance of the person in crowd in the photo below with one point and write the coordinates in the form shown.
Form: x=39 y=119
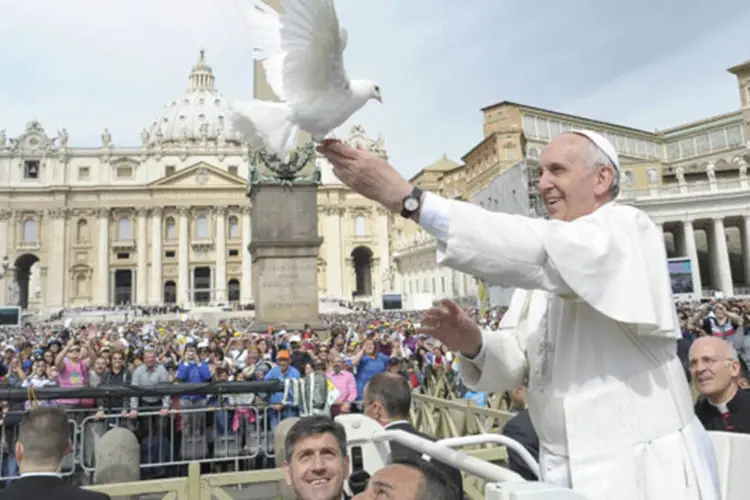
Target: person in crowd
x=521 y=429
x=193 y=371
x=42 y=443
x=368 y=362
x=388 y=401
x=316 y=461
x=282 y=404
x=346 y=386
x=410 y=479
x=717 y=320
x=149 y=374
x=715 y=368
x=588 y=351
x=299 y=357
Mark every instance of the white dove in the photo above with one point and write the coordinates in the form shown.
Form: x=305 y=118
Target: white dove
x=302 y=53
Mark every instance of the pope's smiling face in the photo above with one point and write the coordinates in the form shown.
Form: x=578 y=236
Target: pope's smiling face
x=570 y=184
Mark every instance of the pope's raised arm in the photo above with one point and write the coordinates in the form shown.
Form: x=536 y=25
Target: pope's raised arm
x=615 y=252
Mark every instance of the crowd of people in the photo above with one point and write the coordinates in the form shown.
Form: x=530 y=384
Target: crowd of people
x=320 y=377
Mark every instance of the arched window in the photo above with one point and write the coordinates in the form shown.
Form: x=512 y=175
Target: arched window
x=82 y=231
x=124 y=229
x=233 y=290
x=234 y=228
x=360 y=226
x=201 y=227
x=170 y=229
x=29 y=231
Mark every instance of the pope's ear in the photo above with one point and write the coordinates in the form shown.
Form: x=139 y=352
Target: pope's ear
x=607 y=178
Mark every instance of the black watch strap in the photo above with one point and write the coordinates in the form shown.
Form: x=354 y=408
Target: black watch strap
x=412 y=203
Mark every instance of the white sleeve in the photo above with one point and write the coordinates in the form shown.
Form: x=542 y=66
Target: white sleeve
x=500 y=365
x=434 y=216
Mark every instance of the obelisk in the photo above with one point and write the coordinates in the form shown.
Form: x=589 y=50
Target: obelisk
x=285 y=243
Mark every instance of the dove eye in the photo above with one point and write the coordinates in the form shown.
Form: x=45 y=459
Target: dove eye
x=377 y=89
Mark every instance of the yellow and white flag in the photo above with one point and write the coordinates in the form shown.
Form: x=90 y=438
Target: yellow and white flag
x=484 y=297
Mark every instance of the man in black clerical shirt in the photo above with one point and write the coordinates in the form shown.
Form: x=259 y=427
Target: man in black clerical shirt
x=715 y=369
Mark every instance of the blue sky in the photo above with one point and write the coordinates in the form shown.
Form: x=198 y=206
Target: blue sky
x=86 y=64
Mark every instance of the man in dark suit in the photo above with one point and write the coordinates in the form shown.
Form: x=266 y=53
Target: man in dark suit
x=42 y=443
x=387 y=399
x=520 y=428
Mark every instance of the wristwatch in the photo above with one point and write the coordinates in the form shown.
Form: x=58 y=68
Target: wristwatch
x=411 y=204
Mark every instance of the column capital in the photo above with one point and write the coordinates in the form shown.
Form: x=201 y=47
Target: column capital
x=246 y=209
x=142 y=211
x=157 y=211
x=183 y=211
x=5 y=214
x=219 y=210
x=103 y=212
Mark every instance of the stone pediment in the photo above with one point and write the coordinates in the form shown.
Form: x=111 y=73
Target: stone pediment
x=200 y=175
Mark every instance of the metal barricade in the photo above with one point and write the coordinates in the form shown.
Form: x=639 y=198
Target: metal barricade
x=176 y=437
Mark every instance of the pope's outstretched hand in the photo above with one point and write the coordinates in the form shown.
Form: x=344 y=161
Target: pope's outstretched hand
x=453 y=327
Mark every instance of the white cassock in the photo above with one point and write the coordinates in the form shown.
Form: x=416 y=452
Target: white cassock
x=597 y=337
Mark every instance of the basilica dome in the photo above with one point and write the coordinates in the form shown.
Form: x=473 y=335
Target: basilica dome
x=199 y=114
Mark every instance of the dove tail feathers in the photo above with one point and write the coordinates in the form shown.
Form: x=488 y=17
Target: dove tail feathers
x=272 y=122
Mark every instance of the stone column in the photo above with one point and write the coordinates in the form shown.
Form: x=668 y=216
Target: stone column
x=55 y=291
x=722 y=258
x=660 y=227
x=246 y=286
x=141 y=284
x=333 y=250
x=746 y=247
x=383 y=253
x=101 y=290
x=4 y=246
x=183 y=255
x=156 y=286
x=691 y=252
x=220 y=277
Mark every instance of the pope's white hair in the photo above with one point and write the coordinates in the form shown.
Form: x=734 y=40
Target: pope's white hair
x=596 y=158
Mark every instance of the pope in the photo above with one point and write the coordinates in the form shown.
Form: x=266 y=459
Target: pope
x=591 y=326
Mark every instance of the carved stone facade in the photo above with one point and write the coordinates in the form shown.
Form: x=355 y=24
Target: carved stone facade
x=167 y=221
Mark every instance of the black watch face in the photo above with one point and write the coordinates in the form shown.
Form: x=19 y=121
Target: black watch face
x=411 y=204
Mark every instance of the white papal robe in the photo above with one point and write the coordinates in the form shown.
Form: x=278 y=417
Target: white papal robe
x=596 y=336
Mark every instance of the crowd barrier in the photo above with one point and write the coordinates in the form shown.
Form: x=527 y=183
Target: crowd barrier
x=242 y=436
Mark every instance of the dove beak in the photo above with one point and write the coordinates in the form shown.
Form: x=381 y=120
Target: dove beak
x=379 y=99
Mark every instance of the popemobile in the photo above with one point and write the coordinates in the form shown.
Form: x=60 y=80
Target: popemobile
x=732 y=453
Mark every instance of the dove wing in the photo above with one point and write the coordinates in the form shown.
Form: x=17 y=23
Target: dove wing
x=264 y=24
x=313 y=44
